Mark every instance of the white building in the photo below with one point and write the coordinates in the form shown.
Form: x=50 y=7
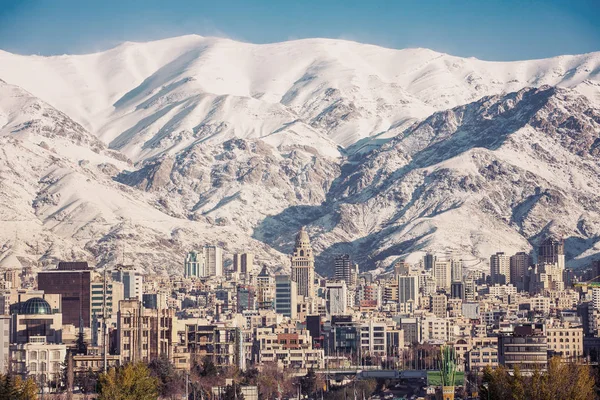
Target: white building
x=442 y=272
x=4 y=342
x=213 y=261
x=337 y=298
x=38 y=359
x=133 y=282
x=373 y=339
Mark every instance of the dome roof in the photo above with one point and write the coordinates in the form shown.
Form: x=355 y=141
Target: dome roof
x=302 y=239
x=35 y=306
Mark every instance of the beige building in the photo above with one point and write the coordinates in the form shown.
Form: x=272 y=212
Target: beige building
x=289 y=349
x=439 y=305
x=303 y=265
x=144 y=334
x=480 y=357
x=500 y=268
x=566 y=341
x=442 y=272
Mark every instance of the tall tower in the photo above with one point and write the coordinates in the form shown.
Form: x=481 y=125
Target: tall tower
x=343 y=268
x=500 y=268
x=303 y=265
x=552 y=251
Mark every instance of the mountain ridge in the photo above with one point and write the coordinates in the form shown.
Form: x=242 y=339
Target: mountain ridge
x=382 y=153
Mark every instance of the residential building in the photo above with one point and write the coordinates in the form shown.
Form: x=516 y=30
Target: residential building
x=552 y=251
x=286 y=296
x=337 y=298
x=525 y=347
x=566 y=341
x=4 y=343
x=265 y=289
x=500 y=268
x=243 y=263
x=408 y=289
x=38 y=359
x=144 y=334
x=133 y=281
x=519 y=264
x=343 y=268
x=442 y=272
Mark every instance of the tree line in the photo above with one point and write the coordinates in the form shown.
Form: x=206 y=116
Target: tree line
x=561 y=380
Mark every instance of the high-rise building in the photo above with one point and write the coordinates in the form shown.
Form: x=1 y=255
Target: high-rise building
x=429 y=261
x=457 y=270
x=519 y=263
x=286 y=296
x=457 y=290
x=337 y=301
x=209 y=262
x=213 y=261
x=4 y=343
x=552 y=251
x=439 y=305
x=343 y=268
x=442 y=272
x=109 y=298
x=470 y=289
x=243 y=263
x=194 y=265
x=72 y=281
x=144 y=335
x=265 y=289
x=500 y=268
x=133 y=282
x=303 y=265
x=245 y=298
x=408 y=289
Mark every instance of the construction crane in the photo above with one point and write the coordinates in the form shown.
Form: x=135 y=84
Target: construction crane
x=591 y=283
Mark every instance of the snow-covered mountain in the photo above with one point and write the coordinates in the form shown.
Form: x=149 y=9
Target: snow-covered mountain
x=150 y=149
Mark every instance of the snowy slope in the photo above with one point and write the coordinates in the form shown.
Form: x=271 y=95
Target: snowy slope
x=160 y=147
x=60 y=201
x=345 y=90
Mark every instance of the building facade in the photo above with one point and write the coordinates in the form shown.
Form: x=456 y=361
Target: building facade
x=303 y=265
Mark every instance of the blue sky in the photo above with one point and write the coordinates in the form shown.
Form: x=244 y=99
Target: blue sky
x=491 y=30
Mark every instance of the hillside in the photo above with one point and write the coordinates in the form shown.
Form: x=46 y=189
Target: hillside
x=150 y=149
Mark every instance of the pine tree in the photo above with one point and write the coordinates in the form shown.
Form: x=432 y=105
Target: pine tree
x=518 y=385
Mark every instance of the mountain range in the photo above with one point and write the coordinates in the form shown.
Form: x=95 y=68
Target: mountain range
x=143 y=152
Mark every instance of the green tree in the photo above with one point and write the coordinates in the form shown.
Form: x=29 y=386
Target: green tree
x=171 y=382
x=130 y=382
x=517 y=385
x=7 y=387
x=208 y=368
x=308 y=383
x=26 y=389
